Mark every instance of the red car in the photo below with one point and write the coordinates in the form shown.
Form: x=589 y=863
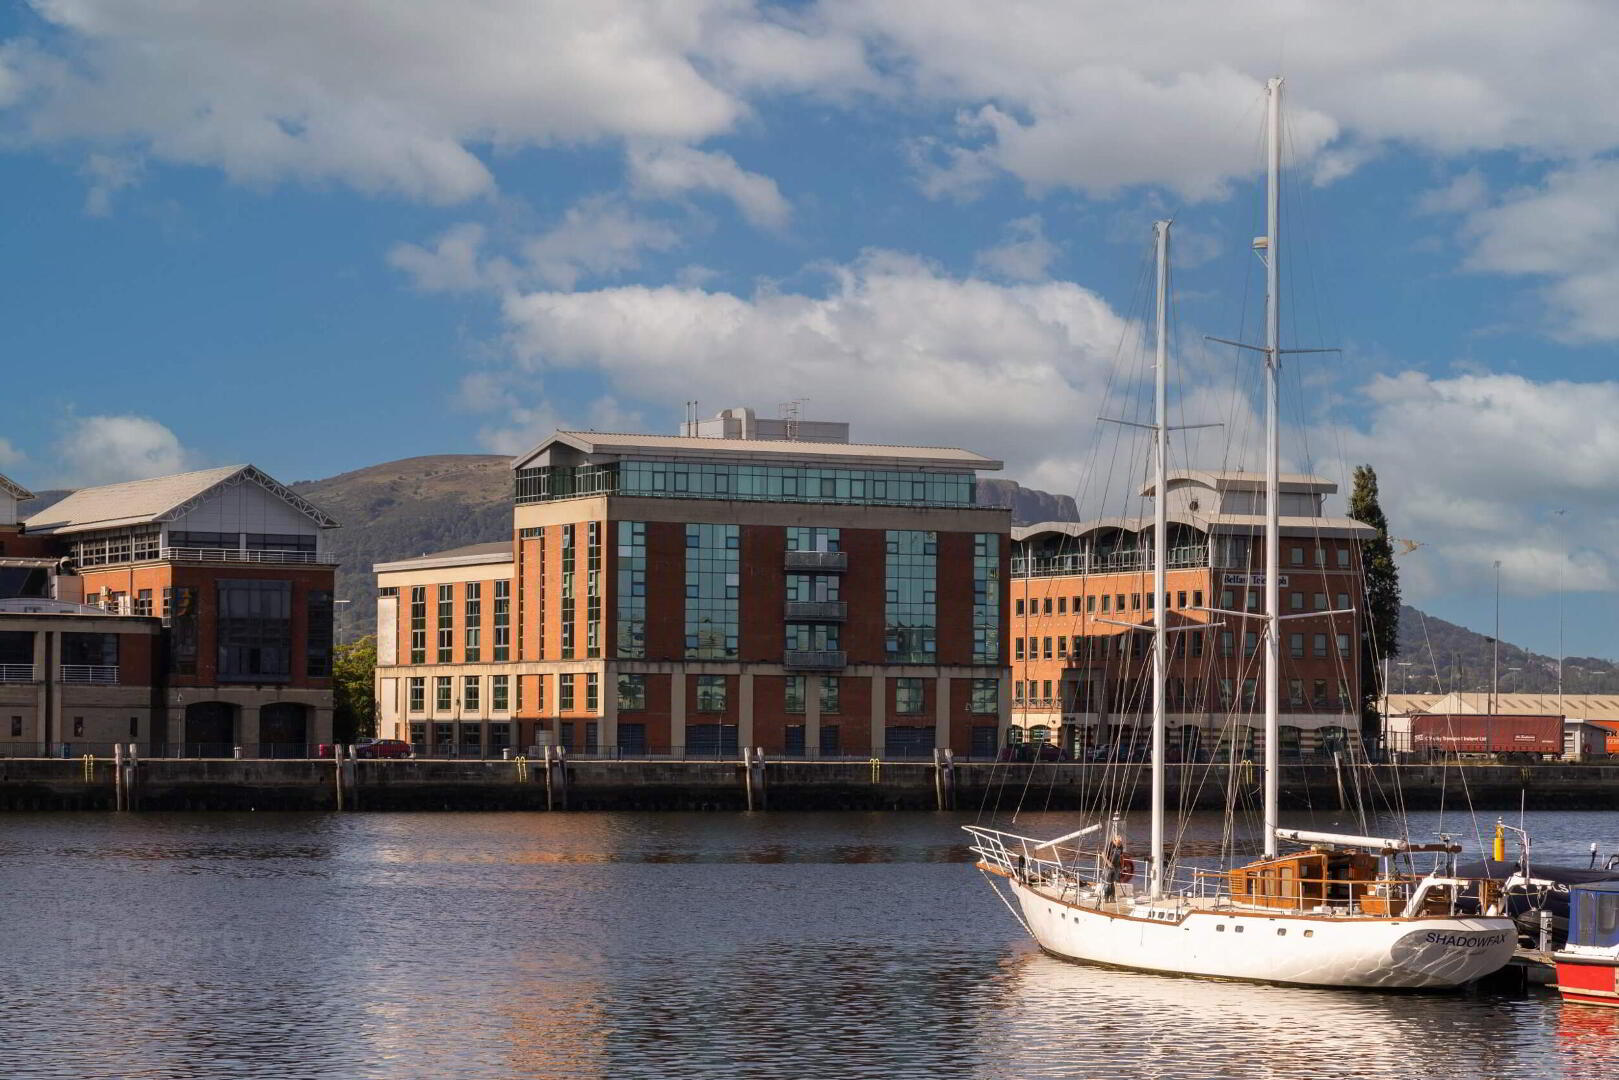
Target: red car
x=370 y=748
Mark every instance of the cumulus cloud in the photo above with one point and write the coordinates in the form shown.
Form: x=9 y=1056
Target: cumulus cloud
x=675 y=170
x=109 y=449
x=1024 y=255
x=1476 y=467
x=10 y=456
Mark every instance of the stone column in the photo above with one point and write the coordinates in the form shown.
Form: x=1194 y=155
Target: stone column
x=879 y=712
x=247 y=729
x=607 y=734
x=812 y=716
x=677 y=709
x=744 y=709
x=941 y=712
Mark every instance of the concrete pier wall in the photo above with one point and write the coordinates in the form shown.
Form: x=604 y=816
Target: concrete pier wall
x=422 y=784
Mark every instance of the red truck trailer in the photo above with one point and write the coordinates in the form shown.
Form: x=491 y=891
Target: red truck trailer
x=1493 y=735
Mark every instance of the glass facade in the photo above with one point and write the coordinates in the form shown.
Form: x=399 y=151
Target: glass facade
x=986 y=598
x=255 y=630
x=711 y=693
x=671 y=479
x=593 y=593
x=631 y=693
x=794 y=701
x=500 y=693
x=630 y=630
x=418 y=624
x=813 y=637
x=986 y=696
x=911 y=584
x=472 y=621
x=805 y=538
x=713 y=588
x=446 y=623
x=318 y=636
x=831 y=699
x=569 y=557
x=909 y=699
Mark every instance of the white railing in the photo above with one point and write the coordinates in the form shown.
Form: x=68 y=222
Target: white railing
x=17 y=673
x=196 y=554
x=96 y=674
x=1115 y=562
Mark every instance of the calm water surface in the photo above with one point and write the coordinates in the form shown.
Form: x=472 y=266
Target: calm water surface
x=641 y=945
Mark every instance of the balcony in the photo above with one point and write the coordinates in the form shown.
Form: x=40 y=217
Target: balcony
x=237 y=555
x=17 y=673
x=1130 y=561
x=90 y=674
x=815 y=660
x=818 y=560
x=817 y=611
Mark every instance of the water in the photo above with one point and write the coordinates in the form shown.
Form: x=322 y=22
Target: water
x=642 y=945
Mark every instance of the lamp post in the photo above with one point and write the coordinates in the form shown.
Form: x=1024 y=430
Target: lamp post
x=1495 y=664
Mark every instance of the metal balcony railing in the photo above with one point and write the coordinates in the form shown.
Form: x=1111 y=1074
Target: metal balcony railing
x=196 y=554
x=94 y=674
x=815 y=660
x=17 y=673
x=1113 y=562
x=817 y=611
x=817 y=560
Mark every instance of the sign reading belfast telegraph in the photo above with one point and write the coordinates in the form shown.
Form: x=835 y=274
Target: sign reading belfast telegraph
x=1252 y=579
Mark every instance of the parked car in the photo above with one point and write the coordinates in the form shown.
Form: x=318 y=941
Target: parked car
x=1027 y=752
x=370 y=748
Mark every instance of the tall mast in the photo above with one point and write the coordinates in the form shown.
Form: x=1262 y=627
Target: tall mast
x=1273 y=449
x=1160 y=560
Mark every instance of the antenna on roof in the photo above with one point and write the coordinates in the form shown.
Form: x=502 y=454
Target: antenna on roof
x=788 y=412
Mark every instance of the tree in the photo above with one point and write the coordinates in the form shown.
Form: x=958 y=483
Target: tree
x=354 y=694
x=1380 y=629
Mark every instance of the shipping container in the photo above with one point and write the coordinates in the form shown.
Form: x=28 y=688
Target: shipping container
x=1475 y=734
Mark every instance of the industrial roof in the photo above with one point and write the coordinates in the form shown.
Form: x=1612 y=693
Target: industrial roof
x=763 y=450
x=1226 y=480
x=14 y=489
x=496 y=551
x=1322 y=526
x=1574 y=706
x=161 y=498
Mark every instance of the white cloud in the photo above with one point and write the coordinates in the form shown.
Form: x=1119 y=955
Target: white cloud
x=108 y=449
x=1464 y=194
x=674 y=170
x=453 y=264
x=1024 y=255
x=108 y=175
x=1564 y=230
x=1475 y=466
x=10 y=456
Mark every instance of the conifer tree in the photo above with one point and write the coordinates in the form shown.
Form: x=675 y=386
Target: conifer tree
x=1380 y=625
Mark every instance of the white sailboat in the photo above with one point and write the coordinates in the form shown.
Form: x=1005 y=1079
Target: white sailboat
x=1333 y=911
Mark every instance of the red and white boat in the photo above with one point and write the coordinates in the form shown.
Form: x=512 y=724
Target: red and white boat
x=1587 y=965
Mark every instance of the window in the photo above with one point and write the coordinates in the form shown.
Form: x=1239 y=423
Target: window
x=1295 y=691
x=318 y=635
x=16 y=727
x=668 y=479
x=1295 y=646
x=713 y=590
x=1090 y=604
x=987 y=598
x=1227 y=643
x=911 y=611
x=1343 y=644
x=593 y=592
x=986 y=696
x=592 y=692
x=1046 y=607
x=1017 y=692
x=143 y=602
x=1320 y=693
x=1062 y=605
x=830 y=696
x=1118 y=601
x=1135 y=601
x=1228 y=599
x=446 y=623
x=1017 y=648
x=569 y=558
x=801 y=538
x=908 y=697
x=1180 y=599
x=78 y=727
x=418 y=693
x=441 y=693
x=1106 y=606
x=1019 y=605
x=1045 y=648
x=503 y=621
x=1295 y=600
x=1062 y=647
x=565 y=693
x=1343 y=558
x=829 y=741
x=255 y=630
x=1343 y=601
x=1250 y=642
x=1321 y=601
x=1256 y=599
x=472 y=620
x=1320 y=646
x=631 y=693
x=418 y=624
x=793 y=694
x=1320 y=556
x=500 y=689
x=813 y=637
x=1197 y=597
x=813 y=588
x=470 y=686
x=134 y=727
x=1295 y=556
x=711 y=693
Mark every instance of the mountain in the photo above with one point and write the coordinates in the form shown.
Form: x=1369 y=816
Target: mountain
x=1443 y=656
x=404 y=508
x=1028 y=505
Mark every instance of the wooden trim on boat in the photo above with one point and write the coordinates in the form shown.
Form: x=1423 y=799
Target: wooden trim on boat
x=1578 y=960
x=1392 y=920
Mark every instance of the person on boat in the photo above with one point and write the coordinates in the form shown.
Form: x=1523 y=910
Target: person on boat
x=1114 y=859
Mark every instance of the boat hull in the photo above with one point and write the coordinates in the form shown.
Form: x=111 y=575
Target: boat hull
x=1588 y=980
x=1369 y=953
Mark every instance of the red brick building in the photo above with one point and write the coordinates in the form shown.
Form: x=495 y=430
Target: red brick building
x=1083 y=604
x=747 y=583
x=189 y=614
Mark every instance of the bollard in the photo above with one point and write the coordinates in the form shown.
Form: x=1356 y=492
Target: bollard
x=120 y=796
x=238 y=752
x=944 y=778
x=753 y=776
x=337 y=769
x=522 y=769
x=505 y=753
x=876 y=770
x=132 y=779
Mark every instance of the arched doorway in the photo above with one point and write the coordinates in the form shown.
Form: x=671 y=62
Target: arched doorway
x=283 y=730
x=210 y=729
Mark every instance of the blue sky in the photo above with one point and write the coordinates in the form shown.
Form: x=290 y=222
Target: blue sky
x=320 y=236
